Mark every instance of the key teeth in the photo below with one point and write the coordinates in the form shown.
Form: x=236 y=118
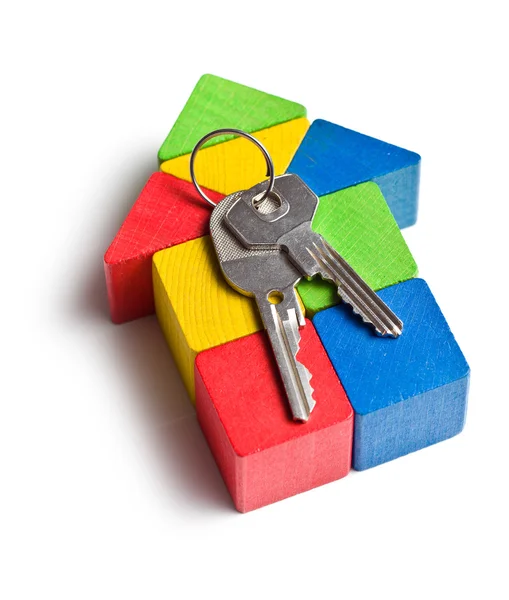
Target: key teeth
x=395 y=332
x=305 y=377
x=326 y=252
x=292 y=331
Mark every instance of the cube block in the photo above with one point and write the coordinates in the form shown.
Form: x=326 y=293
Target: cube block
x=407 y=393
x=332 y=157
x=242 y=408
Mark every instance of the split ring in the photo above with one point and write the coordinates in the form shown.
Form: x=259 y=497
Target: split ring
x=212 y=134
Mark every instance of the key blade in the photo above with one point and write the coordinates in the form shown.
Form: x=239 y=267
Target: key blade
x=355 y=291
x=297 y=377
x=282 y=328
x=303 y=376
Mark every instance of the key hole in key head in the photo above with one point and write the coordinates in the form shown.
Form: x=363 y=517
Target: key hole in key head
x=275 y=297
x=266 y=205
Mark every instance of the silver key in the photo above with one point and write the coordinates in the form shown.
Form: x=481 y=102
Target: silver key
x=264 y=273
x=288 y=228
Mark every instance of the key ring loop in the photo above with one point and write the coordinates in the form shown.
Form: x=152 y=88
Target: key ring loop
x=212 y=134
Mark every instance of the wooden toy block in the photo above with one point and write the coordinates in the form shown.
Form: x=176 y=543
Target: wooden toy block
x=217 y=103
x=407 y=393
x=358 y=223
x=332 y=157
x=195 y=306
x=167 y=212
x=238 y=164
x=241 y=406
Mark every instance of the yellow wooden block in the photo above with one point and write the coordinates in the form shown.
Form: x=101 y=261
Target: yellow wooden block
x=238 y=164
x=195 y=306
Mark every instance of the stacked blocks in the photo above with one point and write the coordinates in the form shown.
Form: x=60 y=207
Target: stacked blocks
x=378 y=398
x=197 y=308
x=332 y=158
x=407 y=393
x=168 y=211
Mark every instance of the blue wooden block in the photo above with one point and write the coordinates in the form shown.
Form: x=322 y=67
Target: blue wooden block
x=407 y=393
x=331 y=158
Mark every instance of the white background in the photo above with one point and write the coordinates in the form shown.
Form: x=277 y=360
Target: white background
x=108 y=489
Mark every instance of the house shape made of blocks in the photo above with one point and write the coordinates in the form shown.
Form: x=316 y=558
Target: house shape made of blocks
x=377 y=399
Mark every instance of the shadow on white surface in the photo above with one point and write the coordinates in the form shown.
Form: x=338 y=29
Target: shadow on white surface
x=190 y=473
x=146 y=378
x=154 y=387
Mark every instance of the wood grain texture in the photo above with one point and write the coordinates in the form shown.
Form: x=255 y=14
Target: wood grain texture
x=407 y=393
x=241 y=406
x=167 y=212
x=238 y=164
x=332 y=158
x=358 y=223
x=196 y=308
x=217 y=103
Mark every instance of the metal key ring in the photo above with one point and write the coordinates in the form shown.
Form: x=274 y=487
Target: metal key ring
x=212 y=134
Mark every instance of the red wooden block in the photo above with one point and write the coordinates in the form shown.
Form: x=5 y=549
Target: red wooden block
x=242 y=409
x=167 y=212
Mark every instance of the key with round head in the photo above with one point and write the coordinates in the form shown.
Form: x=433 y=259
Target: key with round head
x=288 y=228
x=269 y=277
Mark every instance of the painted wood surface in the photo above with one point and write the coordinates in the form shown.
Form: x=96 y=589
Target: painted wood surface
x=262 y=454
x=357 y=222
x=167 y=212
x=238 y=164
x=217 y=103
x=196 y=308
x=407 y=393
x=332 y=158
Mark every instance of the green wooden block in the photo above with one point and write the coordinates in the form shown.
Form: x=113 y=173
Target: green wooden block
x=357 y=222
x=218 y=103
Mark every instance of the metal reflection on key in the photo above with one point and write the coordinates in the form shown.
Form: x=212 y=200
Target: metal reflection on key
x=270 y=278
x=288 y=228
